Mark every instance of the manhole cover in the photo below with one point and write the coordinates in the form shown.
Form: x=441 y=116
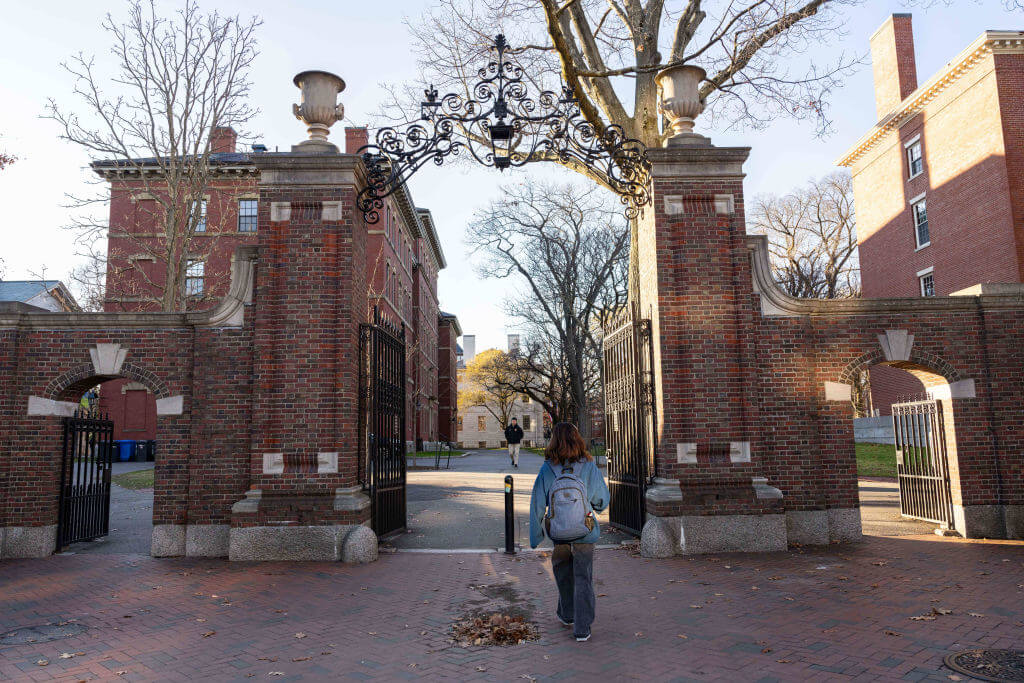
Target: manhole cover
x=989 y=665
x=41 y=634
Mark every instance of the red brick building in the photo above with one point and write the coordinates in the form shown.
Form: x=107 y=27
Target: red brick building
x=939 y=179
x=448 y=333
x=402 y=262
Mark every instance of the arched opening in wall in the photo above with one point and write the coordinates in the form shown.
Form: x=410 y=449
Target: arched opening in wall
x=903 y=427
x=107 y=478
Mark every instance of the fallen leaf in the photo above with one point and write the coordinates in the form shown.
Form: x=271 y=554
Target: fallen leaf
x=602 y=595
x=697 y=606
x=975 y=614
x=766 y=650
x=266 y=659
x=681 y=635
x=941 y=611
x=923 y=617
x=208 y=634
x=42 y=662
x=301 y=659
x=784 y=661
x=638 y=634
x=300 y=635
x=200 y=619
x=892 y=633
x=276 y=673
x=122 y=672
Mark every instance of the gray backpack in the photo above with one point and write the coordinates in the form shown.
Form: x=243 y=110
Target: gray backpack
x=568 y=517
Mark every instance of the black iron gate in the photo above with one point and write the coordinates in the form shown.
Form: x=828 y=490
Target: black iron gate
x=84 y=505
x=628 y=416
x=382 y=421
x=921 y=461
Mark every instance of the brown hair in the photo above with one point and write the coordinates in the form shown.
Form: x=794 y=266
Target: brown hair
x=566 y=445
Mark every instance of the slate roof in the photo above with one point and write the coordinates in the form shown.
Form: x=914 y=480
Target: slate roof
x=23 y=290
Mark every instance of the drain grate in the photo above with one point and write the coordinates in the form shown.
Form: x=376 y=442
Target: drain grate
x=41 y=634
x=1002 y=666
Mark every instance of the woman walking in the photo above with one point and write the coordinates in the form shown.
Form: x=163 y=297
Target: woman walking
x=568 y=491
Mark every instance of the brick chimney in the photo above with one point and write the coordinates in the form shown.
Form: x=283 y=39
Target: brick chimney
x=222 y=140
x=355 y=137
x=892 y=61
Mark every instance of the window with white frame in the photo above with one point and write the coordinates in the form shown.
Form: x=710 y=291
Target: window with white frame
x=915 y=159
x=926 y=279
x=481 y=423
x=247 y=209
x=919 y=211
x=526 y=422
x=199 y=214
x=195 y=271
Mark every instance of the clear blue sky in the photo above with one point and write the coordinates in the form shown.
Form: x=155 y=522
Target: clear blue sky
x=366 y=43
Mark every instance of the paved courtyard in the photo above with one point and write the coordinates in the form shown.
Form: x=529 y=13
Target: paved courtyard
x=840 y=613
x=889 y=608
x=464 y=506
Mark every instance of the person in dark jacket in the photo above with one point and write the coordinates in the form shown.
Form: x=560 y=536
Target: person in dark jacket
x=513 y=436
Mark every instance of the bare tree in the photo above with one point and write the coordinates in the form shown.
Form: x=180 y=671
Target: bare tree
x=486 y=384
x=177 y=78
x=567 y=245
x=88 y=280
x=756 y=53
x=812 y=238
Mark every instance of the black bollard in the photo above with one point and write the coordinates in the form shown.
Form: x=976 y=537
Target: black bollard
x=510 y=541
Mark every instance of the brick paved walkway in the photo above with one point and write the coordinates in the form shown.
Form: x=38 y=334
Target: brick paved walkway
x=834 y=614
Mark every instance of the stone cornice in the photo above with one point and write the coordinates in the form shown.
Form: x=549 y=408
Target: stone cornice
x=427 y=219
x=229 y=313
x=137 y=172
x=987 y=43
x=697 y=161
x=777 y=303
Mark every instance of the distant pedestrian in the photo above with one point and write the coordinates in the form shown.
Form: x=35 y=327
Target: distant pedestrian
x=513 y=436
x=568 y=491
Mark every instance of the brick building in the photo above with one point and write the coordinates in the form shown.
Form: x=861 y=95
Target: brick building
x=448 y=333
x=402 y=262
x=939 y=179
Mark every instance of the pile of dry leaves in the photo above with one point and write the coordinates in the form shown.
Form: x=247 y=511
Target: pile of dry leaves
x=494 y=629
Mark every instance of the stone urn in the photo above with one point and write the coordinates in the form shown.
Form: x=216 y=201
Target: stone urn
x=679 y=101
x=319 y=109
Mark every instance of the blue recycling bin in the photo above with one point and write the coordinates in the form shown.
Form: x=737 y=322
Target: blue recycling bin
x=124 y=449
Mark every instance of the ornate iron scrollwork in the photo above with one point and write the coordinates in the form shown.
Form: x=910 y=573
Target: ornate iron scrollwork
x=502 y=126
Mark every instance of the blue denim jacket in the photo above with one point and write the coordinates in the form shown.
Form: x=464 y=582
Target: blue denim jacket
x=597 y=489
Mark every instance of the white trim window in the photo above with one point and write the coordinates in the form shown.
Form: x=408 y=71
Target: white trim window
x=195 y=272
x=919 y=213
x=248 y=210
x=926 y=281
x=200 y=206
x=915 y=157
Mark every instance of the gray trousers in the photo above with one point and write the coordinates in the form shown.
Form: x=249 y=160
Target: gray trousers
x=573 y=567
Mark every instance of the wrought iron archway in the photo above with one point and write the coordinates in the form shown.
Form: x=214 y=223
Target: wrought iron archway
x=503 y=126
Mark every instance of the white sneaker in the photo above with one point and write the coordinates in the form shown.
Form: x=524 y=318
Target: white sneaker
x=582 y=639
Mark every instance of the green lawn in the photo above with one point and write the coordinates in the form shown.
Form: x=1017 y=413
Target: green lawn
x=139 y=479
x=876 y=460
x=595 y=451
